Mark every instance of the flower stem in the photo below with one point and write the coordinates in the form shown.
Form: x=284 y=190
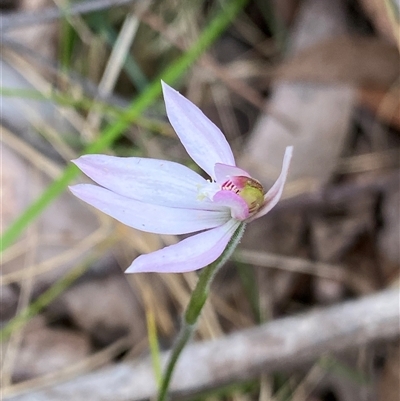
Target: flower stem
x=194 y=308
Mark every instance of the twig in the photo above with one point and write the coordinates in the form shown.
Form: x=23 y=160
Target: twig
x=94 y=361
x=291 y=264
x=21 y=19
x=337 y=195
x=71 y=77
x=112 y=71
x=19 y=146
x=279 y=345
x=385 y=159
x=305 y=266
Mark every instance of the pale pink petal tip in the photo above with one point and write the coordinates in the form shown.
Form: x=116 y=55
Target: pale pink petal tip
x=190 y=254
x=223 y=172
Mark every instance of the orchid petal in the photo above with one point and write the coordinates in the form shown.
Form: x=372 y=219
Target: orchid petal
x=271 y=198
x=223 y=172
x=154 y=181
x=238 y=206
x=190 y=254
x=201 y=138
x=148 y=217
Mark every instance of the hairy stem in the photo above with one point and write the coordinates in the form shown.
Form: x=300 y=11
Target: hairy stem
x=194 y=308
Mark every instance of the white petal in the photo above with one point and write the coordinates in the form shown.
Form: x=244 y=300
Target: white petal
x=154 y=181
x=190 y=254
x=202 y=139
x=271 y=198
x=148 y=217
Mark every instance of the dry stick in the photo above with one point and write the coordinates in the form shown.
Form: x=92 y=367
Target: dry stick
x=385 y=159
x=20 y=19
x=222 y=73
x=339 y=194
x=281 y=345
x=70 y=78
x=305 y=266
x=11 y=351
x=40 y=161
x=84 y=366
x=111 y=73
x=292 y=264
x=45 y=86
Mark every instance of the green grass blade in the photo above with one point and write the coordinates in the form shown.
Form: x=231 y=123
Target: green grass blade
x=154 y=347
x=113 y=131
x=131 y=67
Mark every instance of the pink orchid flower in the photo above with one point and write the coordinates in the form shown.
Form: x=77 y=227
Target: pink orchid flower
x=164 y=197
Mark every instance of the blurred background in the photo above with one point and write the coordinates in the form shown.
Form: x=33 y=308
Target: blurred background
x=84 y=77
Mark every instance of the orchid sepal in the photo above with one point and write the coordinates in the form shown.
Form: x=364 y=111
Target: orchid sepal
x=165 y=197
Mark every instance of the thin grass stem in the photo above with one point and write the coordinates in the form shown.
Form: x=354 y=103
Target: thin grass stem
x=115 y=129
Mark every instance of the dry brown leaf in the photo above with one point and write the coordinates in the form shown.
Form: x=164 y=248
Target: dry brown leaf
x=358 y=60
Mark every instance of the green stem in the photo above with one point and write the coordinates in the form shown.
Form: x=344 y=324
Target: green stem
x=194 y=308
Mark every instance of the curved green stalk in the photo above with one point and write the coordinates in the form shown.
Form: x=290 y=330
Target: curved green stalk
x=194 y=308
x=115 y=129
